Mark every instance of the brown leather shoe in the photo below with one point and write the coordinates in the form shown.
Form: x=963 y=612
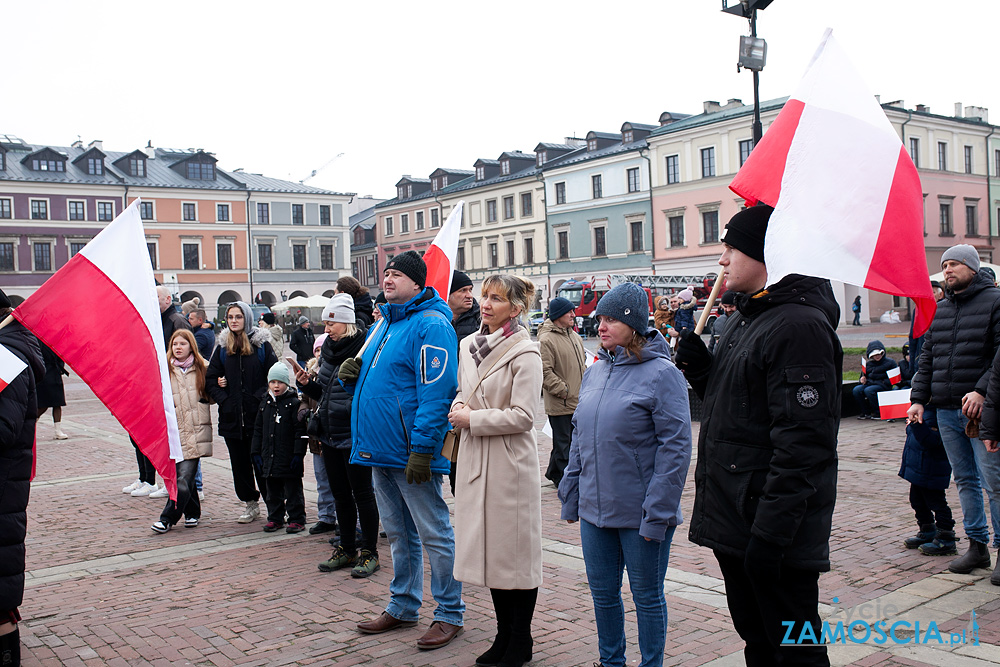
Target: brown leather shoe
x=383 y=623
x=438 y=635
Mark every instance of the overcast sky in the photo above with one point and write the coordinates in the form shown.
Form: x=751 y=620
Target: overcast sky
x=280 y=88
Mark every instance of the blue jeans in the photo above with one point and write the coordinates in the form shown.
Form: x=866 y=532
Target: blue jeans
x=197 y=477
x=974 y=469
x=866 y=396
x=324 y=502
x=415 y=514
x=607 y=552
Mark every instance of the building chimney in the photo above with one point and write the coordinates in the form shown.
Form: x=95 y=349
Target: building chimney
x=711 y=106
x=149 y=150
x=979 y=113
x=76 y=144
x=958 y=109
x=923 y=108
x=733 y=103
x=576 y=141
x=96 y=143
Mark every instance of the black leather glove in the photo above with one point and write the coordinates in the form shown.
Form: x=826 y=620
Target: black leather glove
x=763 y=559
x=691 y=352
x=350 y=369
x=258 y=463
x=296 y=465
x=418 y=468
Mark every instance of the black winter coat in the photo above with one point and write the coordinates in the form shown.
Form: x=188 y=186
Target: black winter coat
x=876 y=373
x=246 y=379
x=172 y=321
x=334 y=409
x=925 y=462
x=767 y=451
x=279 y=435
x=301 y=343
x=363 y=311
x=468 y=322
x=17 y=435
x=959 y=347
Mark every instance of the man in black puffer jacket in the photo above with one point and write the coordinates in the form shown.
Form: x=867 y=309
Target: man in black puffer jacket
x=17 y=436
x=953 y=374
x=766 y=478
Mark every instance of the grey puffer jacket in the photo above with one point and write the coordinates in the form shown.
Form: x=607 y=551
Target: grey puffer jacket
x=960 y=346
x=631 y=443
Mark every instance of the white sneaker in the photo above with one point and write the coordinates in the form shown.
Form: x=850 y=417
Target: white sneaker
x=143 y=490
x=132 y=487
x=251 y=513
x=59 y=433
x=160 y=492
x=201 y=494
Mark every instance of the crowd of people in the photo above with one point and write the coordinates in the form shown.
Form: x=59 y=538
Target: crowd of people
x=391 y=398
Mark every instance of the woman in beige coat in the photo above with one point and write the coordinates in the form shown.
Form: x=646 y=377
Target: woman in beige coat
x=194 y=422
x=498 y=531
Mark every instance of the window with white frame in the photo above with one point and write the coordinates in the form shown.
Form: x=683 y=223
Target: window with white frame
x=971 y=218
x=509 y=248
x=75 y=247
x=561 y=193
x=460 y=258
x=708 y=162
x=41 y=255
x=529 y=250
x=95 y=166
x=324 y=215
x=632 y=176
x=480 y=173
x=388 y=225
x=146 y=210
x=435 y=218
x=298 y=215
x=189 y=212
x=746 y=147
x=77 y=210
x=600 y=248
x=491 y=210
x=151 y=248
x=105 y=211
x=967 y=152
x=404 y=223
x=525 y=204
x=942 y=156
x=265 y=256
x=494 y=260
x=562 y=243
x=508 y=208
x=224 y=256
x=6 y=208
x=191 y=255
x=595 y=185
x=944 y=210
x=222 y=212
x=39 y=209
x=635 y=235
x=299 y=256
x=326 y=256
x=676 y=227
x=419 y=221
x=915 y=151
x=673 y=169
x=7 y=256
x=505 y=167
x=263 y=214
x=710 y=226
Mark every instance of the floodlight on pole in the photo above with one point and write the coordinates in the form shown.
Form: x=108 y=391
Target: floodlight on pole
x=753 y=51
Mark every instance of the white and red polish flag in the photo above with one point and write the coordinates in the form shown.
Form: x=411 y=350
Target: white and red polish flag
x=111 y=280
x=440 y=256
x=10 y=367
x=893 y=404
x=847 y=200
x=895 y=375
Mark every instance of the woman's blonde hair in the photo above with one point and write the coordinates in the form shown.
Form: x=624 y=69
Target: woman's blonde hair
x=238 y=342
x=519 y=291
x=198 y=365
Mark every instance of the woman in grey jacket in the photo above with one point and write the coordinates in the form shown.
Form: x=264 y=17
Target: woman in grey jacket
x=627 y=466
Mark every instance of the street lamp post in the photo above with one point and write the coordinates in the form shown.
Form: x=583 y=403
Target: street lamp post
x=753 y=52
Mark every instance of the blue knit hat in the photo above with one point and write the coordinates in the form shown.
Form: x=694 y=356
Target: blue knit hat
x=626 y=303
x=559 y=307
x=279 y=371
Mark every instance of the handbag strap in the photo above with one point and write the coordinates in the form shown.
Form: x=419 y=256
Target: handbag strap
x=482 y=376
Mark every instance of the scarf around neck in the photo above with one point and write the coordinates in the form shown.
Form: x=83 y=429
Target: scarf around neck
x=185 y=365
x=485 y=342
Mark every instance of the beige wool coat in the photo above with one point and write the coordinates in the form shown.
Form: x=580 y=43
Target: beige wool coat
x=498 y=518
x=194 y=419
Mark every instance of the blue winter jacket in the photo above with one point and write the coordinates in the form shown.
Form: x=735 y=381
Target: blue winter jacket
x=925 y=462
x=631 y=443
x=409 y=376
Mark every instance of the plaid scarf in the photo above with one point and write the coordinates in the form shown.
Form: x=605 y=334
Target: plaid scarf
x=485 y=342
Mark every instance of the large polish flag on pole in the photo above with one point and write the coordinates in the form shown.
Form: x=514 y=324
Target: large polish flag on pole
x=129 y=373
x=847 y=200
x=440 y=257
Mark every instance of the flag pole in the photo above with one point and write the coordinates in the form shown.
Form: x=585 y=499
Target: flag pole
x=716 y=288
x=7 y=320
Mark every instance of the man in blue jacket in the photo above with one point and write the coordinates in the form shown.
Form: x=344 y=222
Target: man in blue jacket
x=403 y=388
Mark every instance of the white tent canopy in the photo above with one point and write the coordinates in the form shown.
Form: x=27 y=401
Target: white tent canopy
x=318 y=301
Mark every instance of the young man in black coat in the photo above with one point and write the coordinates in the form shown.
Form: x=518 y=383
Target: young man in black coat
x=17 y=435
x=302 y=340
x=766 y=479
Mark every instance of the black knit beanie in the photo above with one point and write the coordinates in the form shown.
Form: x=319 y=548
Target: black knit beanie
x=411 y=265
x=745 y=231
x=459 y=280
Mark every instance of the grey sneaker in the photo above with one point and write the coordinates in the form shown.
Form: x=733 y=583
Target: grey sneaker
x=339 y=559
x=367 y=565
x=251 y=513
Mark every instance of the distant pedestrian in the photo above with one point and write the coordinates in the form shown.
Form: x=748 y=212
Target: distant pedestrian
x=326 y=510
x=187 y=370
x=18 y=415
x=856 y=309
x=376 y=313
x=728 y=306
x=278 y=450
x=874 y=379
x=686 y=310
x=925 y=466
x=563 y=362
x=302 y=341
x=49 y=390
x=269 y=324
x=204 y=332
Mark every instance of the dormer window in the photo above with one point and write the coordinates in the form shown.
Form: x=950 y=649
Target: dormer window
x=47 y=165
x=3 y=161
x=409 y=190
x=627 y=137
x=444 y=181
x=137 y=166
x=541 y=158
x=592 y=145
x=95 y=166
x=480 y=173
x=505 y=167
x=400 y=192
x=434 y=185
x=200 y=171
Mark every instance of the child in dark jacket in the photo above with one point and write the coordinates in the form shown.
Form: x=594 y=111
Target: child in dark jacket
x=874 y=378
x=925 y=466
x=278 y=449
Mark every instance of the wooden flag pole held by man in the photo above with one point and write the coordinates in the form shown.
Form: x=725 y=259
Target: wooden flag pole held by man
x=716 y=288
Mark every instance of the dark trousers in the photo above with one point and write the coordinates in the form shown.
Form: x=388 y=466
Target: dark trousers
x=244 y=471
x=284 y=496
x=857 y=319
x=759 y=607
x=147 y=473
x=354 y=496
x=931 y=506
x=187 y=503
x=562 y=435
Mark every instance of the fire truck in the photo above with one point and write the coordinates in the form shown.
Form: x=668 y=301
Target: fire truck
x=585 y=294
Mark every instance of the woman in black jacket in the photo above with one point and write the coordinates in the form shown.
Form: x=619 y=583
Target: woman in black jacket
x=352 y=488
x=237 y=381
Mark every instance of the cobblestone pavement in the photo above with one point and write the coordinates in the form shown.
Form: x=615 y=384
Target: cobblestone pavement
x=103 y=589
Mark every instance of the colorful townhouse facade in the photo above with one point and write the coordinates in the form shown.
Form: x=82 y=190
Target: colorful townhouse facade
x=196 y=217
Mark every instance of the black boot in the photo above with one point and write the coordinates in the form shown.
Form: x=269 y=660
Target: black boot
x=942 y=545
x=977 y=556
x=995 y=577
x=501 y=603
x=925 y=535
x=522 y=610
x=10 y=648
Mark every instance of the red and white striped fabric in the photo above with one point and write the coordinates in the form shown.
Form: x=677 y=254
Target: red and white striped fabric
x=10 y=367
x=440 y=256
x=111 y=280
x=893 y=404
x=847 y=198
x=895 y=375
